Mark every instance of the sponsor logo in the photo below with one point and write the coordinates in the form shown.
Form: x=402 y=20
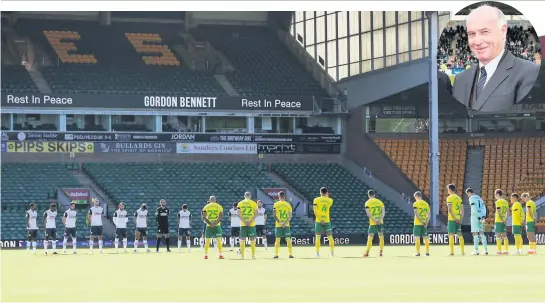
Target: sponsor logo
x=273 y=192
x=88 y=137
x=122 y=137
x=280 y=148
x=49 y=147
x=77 y=193
x=137 y=147
x=215 y=148
x=5 y=136
x=182 y=137
x=10 y=243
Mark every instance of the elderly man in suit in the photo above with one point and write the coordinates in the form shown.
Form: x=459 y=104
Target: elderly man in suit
x=500 y=80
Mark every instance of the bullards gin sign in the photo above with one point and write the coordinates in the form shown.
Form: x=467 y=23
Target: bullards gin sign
x=113 y=101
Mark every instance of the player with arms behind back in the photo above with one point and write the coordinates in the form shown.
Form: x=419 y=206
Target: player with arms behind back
x=235 y=225
x=322 y=207
x=282 y=212
x=260 y=223
x=141 y=222
x=375 y=211
x=184 y=227
x=421 y=219
x=120 y=220
x=517 y=220
x=50 y=227
x=502 y=212
x=478 y=215
x=32 y=227
x=212 y=214
x=531 y=216
x=247 y=212
x=69 y=221
x=455 y=215
x=95 y=217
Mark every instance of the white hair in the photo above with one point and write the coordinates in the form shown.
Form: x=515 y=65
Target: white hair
x=247 y=195
x=499 y=14
x=212 y=199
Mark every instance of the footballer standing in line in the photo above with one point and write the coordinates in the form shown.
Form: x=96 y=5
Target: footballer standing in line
x=161 y=216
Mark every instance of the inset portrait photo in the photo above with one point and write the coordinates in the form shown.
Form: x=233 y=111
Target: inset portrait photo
x=491 y=54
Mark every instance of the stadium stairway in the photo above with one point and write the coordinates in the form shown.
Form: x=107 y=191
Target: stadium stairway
x=473 y=177
x=109 y=226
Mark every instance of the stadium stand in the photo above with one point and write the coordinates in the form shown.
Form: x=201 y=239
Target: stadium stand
x=411 y=155
x=512 y=164
x=348 y=193
x=16 y=79
x=254 y=50
x=107 y=62
x=182 y=183
x=31 y=183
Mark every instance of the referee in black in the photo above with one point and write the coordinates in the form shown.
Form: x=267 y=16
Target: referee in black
x=161 y=216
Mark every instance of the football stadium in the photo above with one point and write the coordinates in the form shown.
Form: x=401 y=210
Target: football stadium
x=143 y=153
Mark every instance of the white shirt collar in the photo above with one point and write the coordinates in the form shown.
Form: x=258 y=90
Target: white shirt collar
x=491 y=66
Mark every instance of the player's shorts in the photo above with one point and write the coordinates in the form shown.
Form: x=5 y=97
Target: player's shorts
x=320 y=228
x=121 y=233
x=143 y=231
x=530 y=227
x=247 y=232
x=477 y=225
x=96 y=230
x=282 y=232
x=500 y=227
x=517 y=229
x=235 y=231
x=184 y=232
x=453 y=227
x=70 y=231
x=163 y=229
x=375 y=229
x=213 y=232
x=50 y=233
x=32 y=234
x=260 y=230
x=420 y=231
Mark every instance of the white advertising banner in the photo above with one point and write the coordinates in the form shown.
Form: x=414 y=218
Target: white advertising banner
x=216 y=148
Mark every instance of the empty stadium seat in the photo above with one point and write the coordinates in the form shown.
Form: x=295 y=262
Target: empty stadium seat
x=15 y=79
x=348 y=192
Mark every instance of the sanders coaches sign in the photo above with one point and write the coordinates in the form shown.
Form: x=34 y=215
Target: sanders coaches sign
x=111 y=101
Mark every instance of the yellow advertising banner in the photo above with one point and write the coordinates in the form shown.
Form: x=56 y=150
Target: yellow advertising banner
x=49 y=147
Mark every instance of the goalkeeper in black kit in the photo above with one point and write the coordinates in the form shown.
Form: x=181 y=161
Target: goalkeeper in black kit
x=161 y=216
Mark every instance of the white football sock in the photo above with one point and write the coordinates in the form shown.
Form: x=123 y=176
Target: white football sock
x=34 y=245
x=74 y=243
x=64 y=241
x=201 y=242
x=265 y=242
x=116 y=243
x=100 y=244
x=28 y=245
x=91 y=244
x=188 y=243
x=54 y=245
x=232 y=242
x=45 y=245
x=146 y=244
x=125 y=243
x=179 y=244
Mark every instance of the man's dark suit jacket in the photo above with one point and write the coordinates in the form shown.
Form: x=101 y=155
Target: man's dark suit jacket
x=510 y=83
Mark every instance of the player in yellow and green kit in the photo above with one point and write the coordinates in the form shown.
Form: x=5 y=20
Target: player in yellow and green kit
x=455 y=216
x=211 y=215
x=247 y=212
x=375 y=211
x=282 y=212
x=517 y=219
x=322 y=207
x=500 y=226
x=421 y=220
x=530 y=222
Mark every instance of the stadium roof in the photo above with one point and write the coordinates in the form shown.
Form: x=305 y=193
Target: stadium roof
x=505 y=8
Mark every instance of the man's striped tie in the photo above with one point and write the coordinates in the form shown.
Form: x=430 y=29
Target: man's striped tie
x=482 y=81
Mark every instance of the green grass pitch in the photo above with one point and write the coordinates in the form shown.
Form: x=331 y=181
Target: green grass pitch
x=167 y=277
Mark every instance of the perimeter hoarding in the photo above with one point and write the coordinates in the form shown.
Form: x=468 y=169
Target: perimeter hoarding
x=48 y=147
x=136 y=147
x=436 y=239
x=117 y=101
x=168 y=137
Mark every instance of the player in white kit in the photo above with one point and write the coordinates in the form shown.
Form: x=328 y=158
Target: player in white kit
x=95 y=217
x=50 y=216
x=32 y=227
x=69 y=221
x=235 y=226
x=141 y=221
x=184 y=227
x=120 y=220
x=260 y=223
